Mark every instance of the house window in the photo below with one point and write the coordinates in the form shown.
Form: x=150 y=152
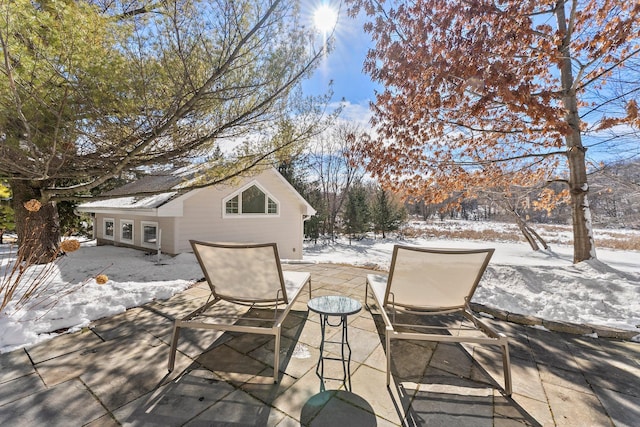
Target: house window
x=149 y=234
x=272 y=207
x=251 y=201
x=232 y=205
x=109 y=228
x=126 y=231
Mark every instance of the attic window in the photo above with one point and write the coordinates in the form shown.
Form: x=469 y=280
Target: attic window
x=232 y=205
x=272 y=207
x=251 y=201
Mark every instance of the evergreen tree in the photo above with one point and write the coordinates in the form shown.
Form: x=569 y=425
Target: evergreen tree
x=7 y=222
x=293 y=170
x=89 y=93
x=356 y=216
x=387 y=214
x=72 y=224
x=313 y=227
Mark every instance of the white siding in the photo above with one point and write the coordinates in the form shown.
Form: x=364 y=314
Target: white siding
x=165 y=224
x=203 y=218
x=199 y=216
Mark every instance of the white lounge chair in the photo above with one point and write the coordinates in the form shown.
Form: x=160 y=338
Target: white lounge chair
x=423 y=281
x=245 y=274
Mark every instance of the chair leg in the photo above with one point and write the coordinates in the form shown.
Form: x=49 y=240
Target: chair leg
x=174 y=346
x=388 y=351
x=276 y=357
x=506 y=363
x=366 y=295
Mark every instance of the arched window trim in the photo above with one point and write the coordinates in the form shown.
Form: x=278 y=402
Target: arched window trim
x=238 y=193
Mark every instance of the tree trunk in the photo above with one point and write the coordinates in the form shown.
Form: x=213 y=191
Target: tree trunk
x=538 y=237
x=38 y=231
x=583 y=244
x=527 y=235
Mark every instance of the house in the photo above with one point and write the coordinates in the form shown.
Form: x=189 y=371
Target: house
x=259 y=208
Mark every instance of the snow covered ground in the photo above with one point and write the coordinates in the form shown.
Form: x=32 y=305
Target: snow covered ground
x=544 y=284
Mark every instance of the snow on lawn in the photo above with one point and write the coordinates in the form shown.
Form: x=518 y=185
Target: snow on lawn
x=73 y=299
x=544 y=284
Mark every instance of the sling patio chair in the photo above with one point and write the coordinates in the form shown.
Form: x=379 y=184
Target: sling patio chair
x=427 y=282
x=247 y=275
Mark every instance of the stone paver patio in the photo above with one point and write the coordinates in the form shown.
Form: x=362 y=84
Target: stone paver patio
x=115 y=373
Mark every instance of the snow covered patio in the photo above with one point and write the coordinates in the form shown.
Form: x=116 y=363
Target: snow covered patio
x=115 y=374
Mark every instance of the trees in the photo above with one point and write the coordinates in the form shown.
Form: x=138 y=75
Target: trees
x=513 y=201
x=356 y=212
x=386 y=213
x=616 y=198
x=483 y=94
x=294 y=170
x=330 y=162
x=6 y=213
x=92 y=90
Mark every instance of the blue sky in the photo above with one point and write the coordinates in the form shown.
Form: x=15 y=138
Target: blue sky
x=343 y=66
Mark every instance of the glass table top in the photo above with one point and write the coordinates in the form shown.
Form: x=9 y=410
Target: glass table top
x=334 y=305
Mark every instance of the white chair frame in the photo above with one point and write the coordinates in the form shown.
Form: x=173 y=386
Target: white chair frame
x=249 y=275
x=414 y=299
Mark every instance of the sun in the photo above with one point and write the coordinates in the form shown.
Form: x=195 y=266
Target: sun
x=325 y=18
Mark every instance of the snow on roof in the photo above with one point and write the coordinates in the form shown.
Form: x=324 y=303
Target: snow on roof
x=162 y=186
x=131 y=202
x=157 y=184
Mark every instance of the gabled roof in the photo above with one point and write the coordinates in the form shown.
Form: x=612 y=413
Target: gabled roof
x=149 y=202
x=166 y=187
x=148 y=184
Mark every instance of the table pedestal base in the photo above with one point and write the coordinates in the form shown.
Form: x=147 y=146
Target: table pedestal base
x=344 y=342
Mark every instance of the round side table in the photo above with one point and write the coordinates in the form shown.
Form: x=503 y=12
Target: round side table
x=338 y=306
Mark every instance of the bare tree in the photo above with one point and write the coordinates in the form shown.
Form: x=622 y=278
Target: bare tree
x=482 y=94
x=616 y=194
x=516 y=202
x=330 y=161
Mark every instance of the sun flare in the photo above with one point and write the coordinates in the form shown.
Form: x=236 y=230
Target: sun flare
x=325 y=18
